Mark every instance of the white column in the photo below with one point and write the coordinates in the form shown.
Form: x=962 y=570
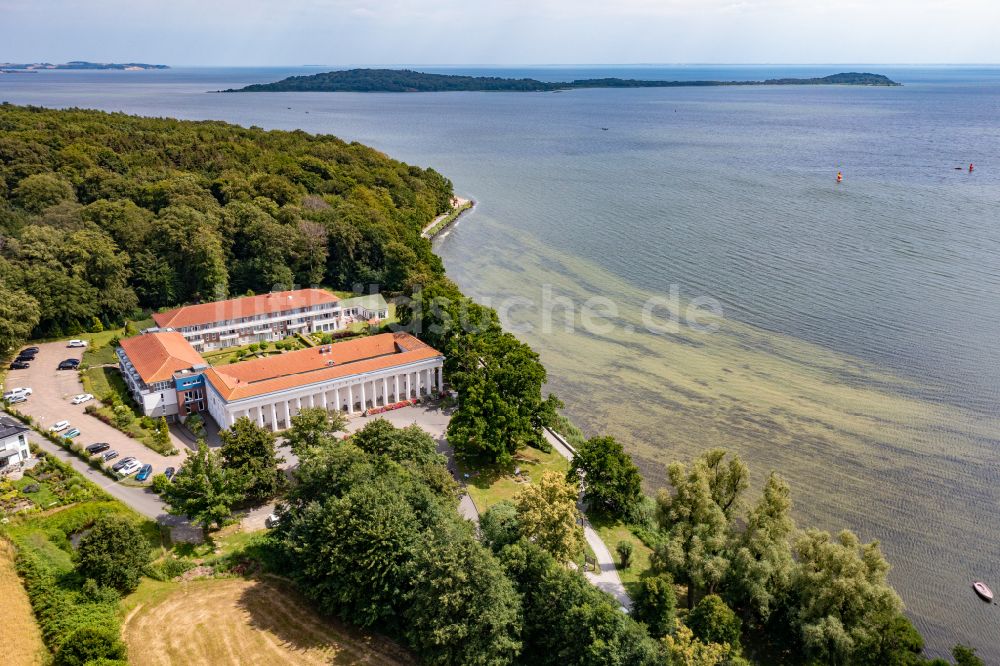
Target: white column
x=440 y=379
x=364 y=397
x=385 y=390
x=350 y=399
x=260 y=415
x=395 y=388
x=322 y=398
x=288 y=417
x=298 y=404
x=312 y=403
x=274 y=418
x=336 y=399
x=231 y=418
x=407 y=385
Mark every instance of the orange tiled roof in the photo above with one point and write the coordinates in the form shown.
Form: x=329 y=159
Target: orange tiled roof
x=157 y=356
x=309 y=366
x=248 y=306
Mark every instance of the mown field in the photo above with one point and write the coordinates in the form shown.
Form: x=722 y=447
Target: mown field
x=240 y=621
x=23 y=640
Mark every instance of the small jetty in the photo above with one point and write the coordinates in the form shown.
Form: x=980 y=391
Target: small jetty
x=983 y=590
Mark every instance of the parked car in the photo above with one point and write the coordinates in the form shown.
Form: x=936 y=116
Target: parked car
x=59 y=425
x=169 y=473
x=110 y=455
x=26 y=357
x=69 y=364
x=71 y=433
x=17 y=391
x=19 y=365
x=272 y=520
x=77 y=343
x=30 y=350
x=121 y=463
x=82 y=398
x=97 y=447
x=144 y=473
x=17 y=398
x=130 y=468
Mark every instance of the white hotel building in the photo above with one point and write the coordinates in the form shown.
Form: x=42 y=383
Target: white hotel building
x=168 y=377
x=268 y=317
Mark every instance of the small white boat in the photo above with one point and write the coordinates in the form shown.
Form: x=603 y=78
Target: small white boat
x=983 y=590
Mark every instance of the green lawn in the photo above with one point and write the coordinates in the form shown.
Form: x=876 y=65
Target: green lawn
x=611 y=532
x=43 y=498
x=234 y=354
x=489 y=485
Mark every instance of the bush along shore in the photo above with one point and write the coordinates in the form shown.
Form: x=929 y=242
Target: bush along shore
x=139 y=213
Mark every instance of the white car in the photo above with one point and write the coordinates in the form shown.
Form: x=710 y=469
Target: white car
x=59 y=426
x=82 y=398
x=130 y=469
x=17 y=392
x=77 y=343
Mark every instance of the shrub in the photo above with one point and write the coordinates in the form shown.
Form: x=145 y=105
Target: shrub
x=169 y=569
x=87 y=644
x=123 y=416
x=624 y=550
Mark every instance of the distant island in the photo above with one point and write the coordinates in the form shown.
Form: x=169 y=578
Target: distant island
x=76 y=64
x=405 y=80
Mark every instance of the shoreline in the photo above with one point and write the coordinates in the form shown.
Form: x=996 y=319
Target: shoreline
x=446 y=220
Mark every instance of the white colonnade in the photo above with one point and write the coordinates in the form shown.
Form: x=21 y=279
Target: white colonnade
x=350 y=394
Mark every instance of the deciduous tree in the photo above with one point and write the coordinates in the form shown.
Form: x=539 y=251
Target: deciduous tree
x=761 y=566
x=547 y=513
x=611 y=480
x=694 y=528
x=462 y=608
x=655 y=605
x=203 y=490
x=113 y=553
x=248 y=451
x=314 y=426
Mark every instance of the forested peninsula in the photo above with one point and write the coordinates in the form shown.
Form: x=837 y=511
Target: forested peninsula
x=405 y=80
x=105 y=216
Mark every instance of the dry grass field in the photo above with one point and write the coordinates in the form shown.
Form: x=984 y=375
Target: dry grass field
x=23 y=641
x=238 y=621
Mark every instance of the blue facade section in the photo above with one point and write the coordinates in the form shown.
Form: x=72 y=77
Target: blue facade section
x=188 y=382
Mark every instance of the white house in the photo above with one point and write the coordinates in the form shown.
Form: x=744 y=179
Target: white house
x=14 y=448
x=268 y=317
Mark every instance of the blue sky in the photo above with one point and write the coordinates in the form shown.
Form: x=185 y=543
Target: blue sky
x=346 y=32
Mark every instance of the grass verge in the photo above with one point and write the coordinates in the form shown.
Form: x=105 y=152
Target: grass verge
x=489 y=485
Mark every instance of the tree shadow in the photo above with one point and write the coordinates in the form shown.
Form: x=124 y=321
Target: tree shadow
x=273 y=606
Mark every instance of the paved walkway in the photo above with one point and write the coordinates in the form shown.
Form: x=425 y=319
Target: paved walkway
x=606 y=577
x=459 y=202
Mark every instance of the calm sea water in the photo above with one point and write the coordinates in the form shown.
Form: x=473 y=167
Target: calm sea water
x=859 y=350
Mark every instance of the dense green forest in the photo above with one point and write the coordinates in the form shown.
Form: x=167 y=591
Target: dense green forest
x=104 y=214
x=405 y=80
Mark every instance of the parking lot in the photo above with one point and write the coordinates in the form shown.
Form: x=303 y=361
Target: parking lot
x=52 y=391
